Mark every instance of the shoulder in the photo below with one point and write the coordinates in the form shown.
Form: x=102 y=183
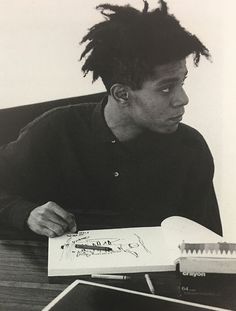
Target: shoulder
x=60 y=116
x=191 y=137
x=195 y=145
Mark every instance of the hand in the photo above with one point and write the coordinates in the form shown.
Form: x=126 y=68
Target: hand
x=51 y=220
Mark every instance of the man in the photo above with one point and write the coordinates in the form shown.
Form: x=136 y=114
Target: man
x=127 y=161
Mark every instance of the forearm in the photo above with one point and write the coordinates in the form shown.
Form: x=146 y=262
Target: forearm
x=14 y=210
x=212 y=214
x=200 y=204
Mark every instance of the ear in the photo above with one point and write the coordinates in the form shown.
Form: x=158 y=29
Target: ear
x=120 y=93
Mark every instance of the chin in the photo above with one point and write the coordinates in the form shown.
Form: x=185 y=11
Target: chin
x=167 y=129
x=172 y=129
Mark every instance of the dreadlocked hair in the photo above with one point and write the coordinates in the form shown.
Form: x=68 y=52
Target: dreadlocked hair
x=129 y=43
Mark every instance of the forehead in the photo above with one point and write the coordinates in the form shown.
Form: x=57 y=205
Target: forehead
x=174 y=70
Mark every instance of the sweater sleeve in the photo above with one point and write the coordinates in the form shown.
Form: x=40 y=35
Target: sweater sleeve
x=14 y=210
x=22 y=165
x=200 y=202
x=210 y=210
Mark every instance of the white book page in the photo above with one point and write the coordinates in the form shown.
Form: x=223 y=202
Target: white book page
x=178 y=229
x=133 y=250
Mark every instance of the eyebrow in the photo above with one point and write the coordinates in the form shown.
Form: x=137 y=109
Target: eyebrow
x=171 y=80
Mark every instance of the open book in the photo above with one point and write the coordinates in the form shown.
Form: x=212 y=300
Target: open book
x=129 y=250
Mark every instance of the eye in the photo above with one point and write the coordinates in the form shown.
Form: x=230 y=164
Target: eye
x=166 y=90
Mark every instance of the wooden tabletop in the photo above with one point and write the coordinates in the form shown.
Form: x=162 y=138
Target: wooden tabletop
x=23 y=276
x=24 y=284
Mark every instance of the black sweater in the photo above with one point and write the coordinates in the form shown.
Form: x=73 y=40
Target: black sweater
x=70 y=156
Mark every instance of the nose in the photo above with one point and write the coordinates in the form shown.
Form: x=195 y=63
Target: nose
x=180 y=98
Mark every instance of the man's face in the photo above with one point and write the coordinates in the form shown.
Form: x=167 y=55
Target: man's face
x=159 y=105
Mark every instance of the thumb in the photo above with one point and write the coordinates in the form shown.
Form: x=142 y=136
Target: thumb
x=73 y=229
x=73 y=226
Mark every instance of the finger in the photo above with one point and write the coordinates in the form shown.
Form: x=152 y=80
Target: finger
x=43 y=216
x=47 y=232
x=57 y=229
x=73 y=225
x=66 y=216
x=73 y=228
x=57 y=219
x=70 y=224
x=41 y=230
x=54 y=224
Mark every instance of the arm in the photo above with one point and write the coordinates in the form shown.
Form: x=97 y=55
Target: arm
x=28 y=183
x=210 y=210
x=204 y=207
x=199 y=202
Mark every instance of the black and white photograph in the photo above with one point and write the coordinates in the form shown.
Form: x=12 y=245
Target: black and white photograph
x=117 y=155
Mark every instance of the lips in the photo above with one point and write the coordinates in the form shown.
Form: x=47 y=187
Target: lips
x=176 y=118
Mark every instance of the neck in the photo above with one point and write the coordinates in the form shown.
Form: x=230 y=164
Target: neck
x=119 y=122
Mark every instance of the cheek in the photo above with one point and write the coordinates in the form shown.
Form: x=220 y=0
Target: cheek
x=151 y=107
x=158 y=108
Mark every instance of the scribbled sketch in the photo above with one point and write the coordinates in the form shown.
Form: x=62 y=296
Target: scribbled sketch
x=134 y=246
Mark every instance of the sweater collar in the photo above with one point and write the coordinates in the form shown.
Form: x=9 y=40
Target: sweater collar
x=102 y=132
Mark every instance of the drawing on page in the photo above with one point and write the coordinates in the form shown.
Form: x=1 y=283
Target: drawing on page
x=133 y=246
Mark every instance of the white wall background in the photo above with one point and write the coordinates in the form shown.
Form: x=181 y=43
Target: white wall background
x=39 y=53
